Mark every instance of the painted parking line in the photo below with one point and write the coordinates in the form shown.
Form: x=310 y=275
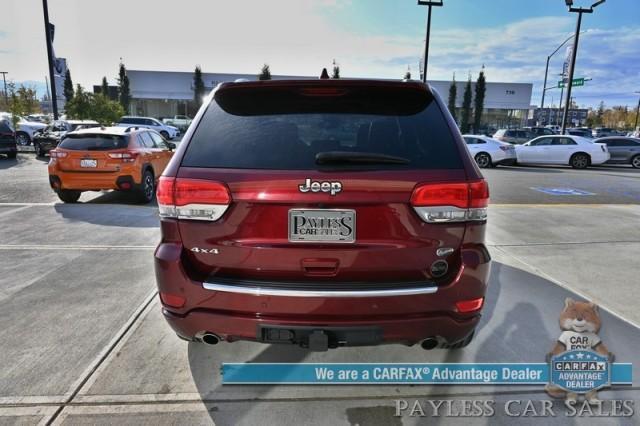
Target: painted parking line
x=70 y=247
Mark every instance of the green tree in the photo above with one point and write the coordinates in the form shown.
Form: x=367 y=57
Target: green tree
x=478 y=102
x=89 y=106
x=198 y=86
x=79 y=107
x=104 y=110
x=336 y=70
x=453 y=93
x=28 y=100
x=466 y=107
x=15 y=106
x=265 y=73
x=68 y=86
x=124 y=93
x=104 y=88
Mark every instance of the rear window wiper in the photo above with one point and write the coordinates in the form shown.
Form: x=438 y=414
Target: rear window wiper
x=333 y=157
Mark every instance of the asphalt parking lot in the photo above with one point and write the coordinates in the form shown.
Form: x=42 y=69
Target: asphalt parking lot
x=84 y=341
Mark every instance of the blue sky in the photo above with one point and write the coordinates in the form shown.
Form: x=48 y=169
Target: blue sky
x=368 y=38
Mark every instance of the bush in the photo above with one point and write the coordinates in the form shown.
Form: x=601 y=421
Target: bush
x=98 y=107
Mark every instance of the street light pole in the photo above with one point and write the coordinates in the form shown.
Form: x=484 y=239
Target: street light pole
x=54 y=99
x=572 y=65
x=546 y=72
x=429 y=4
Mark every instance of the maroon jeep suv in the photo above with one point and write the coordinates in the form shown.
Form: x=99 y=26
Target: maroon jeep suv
x=323 y=213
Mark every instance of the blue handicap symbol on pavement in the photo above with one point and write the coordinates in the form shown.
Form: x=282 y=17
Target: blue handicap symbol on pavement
x=562 y=191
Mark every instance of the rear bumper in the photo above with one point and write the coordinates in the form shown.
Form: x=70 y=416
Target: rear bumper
x=393 y=318
x=91 y=181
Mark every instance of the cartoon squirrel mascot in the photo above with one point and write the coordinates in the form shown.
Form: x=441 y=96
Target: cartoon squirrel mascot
x=580 y=324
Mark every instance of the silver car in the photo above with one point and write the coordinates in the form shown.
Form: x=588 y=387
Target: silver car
x=623 y=150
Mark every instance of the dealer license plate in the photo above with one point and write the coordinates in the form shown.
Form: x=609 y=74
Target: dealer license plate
x=306 y=225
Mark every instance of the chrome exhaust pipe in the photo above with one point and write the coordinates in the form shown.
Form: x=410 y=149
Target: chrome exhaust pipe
x=210 y=339
x=429 y=343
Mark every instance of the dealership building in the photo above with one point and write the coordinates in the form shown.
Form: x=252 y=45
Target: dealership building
x=166 y=93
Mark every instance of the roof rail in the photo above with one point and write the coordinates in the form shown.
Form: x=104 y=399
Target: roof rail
x=128 y=129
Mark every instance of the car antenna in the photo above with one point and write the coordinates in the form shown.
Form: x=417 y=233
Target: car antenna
x=324 y=74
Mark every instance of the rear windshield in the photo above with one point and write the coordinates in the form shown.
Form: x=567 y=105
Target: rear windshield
x=93 y=142
x=258 y=128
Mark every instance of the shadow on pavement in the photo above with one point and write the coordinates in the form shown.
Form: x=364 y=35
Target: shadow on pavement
x=127 y=216
x=527 y=169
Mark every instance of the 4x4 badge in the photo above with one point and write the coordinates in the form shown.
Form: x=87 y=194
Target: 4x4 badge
x=205 y=251
x=314 y=186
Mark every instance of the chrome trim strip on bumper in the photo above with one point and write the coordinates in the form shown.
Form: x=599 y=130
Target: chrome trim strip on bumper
x=258 y=291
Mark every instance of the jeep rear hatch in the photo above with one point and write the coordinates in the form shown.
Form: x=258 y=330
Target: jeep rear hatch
x=297 y=181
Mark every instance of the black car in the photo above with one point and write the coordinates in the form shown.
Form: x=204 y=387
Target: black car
x=50 y=137
x=7 y=139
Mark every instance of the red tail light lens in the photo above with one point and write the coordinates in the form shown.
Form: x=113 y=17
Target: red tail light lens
x=466 y=306
x=196 y=199
x=451 y=202
x=196 y=191
x=441 y=194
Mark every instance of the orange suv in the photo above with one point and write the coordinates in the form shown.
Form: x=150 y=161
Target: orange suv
x=102 y=158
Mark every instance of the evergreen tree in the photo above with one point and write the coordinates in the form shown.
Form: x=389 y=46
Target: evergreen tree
x=336 y=70
x=466 y=108
x=453 y=94
x=104 y=89
x=481 y=89
x=198 y=86
x=265 y=73
x=123 y=88
x=68 y=86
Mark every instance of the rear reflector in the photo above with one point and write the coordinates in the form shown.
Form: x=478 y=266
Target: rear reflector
x=466 y=306
x=451 y=202
x=195 y=199
x=173 y=300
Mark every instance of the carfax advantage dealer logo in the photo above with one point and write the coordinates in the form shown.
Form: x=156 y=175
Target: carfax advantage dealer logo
x=580 y=371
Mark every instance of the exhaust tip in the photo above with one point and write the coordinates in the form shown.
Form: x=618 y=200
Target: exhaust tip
x=210 y=339
x=429 y=343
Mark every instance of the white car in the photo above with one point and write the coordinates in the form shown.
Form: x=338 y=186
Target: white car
x=576 y=151
x=167 y=132
x=489 y=152
x=25 y=129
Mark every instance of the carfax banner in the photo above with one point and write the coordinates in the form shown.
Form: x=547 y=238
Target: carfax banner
x=576 y=375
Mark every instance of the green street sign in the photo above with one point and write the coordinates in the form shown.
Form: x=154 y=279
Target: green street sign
x=575 y=83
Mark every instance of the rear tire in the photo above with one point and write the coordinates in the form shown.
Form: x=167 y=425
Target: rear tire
x=12 y=155
x=579 y=161
x=147 y=189
x=69 y=195
x=635 y=162
x=483 y=160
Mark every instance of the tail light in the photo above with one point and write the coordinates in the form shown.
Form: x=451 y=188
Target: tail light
x=57 y=154
x=451 y=202
x=126 y=157
x=194 y=199
x=173 y=300
x=466 y=306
